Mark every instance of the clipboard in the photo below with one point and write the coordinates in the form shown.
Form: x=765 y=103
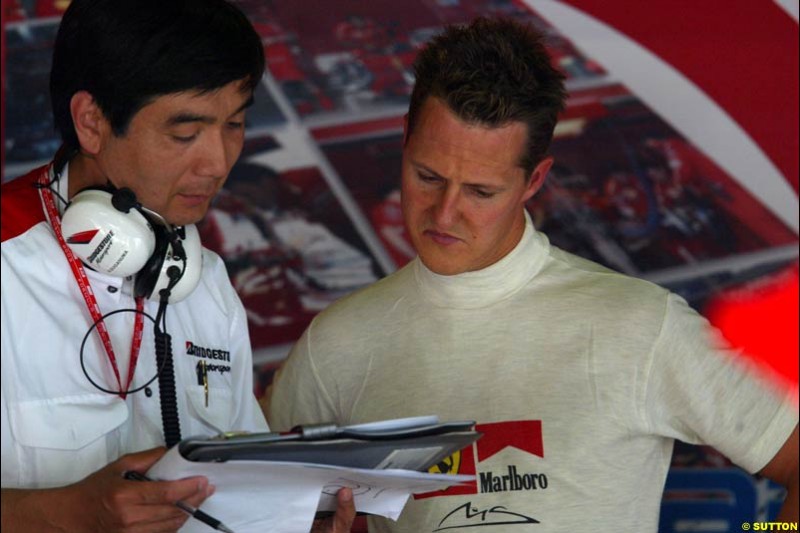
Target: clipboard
x=407 y=444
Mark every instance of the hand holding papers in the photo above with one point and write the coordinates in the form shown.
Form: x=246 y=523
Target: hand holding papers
x=276 y=482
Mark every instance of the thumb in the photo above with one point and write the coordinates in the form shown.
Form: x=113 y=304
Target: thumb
x=345 y=511
x=141 y=461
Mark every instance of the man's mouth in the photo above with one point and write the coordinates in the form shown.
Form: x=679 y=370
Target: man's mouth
x=194 y=199
x=444 y=239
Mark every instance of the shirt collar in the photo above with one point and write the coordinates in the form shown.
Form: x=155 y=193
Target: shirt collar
x=61 y=183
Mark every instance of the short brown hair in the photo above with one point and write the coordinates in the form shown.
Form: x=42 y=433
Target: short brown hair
x=493 y=72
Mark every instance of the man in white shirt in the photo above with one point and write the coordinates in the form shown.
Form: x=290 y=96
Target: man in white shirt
x=580 y=378
x=150 y=101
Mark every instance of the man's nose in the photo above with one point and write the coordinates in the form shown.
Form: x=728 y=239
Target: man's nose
x=446 y=209
x=213 y=157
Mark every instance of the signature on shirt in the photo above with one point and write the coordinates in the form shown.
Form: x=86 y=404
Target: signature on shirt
x=468 y=516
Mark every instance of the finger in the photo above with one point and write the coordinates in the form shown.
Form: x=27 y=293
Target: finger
x=166 y=515
x=163 y=526
x=197 y=500
x=345 y=511
x=169 y=517
x=140 y=461
x=134 y=504
x=168 y=492
x=157 y=518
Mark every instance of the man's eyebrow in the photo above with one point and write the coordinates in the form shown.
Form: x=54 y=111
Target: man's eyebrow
x=428 y=170
x=186 y=117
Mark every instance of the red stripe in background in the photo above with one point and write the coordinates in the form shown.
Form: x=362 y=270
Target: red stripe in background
x=761 y=318
x=743 y=54
x=349 y=129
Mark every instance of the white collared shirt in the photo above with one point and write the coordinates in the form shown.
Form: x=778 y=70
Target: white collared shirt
x=56 y=427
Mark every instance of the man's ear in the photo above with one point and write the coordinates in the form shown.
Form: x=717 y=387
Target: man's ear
x=405 y=129
x=91 y=125
x=537 y=177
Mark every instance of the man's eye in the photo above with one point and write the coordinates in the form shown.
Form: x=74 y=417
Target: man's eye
x=184 y=139
x=482 y=194
x=236 y=125
x=428 y=178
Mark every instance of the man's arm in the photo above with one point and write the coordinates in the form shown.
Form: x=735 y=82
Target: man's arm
x=783 y=469
x=105 y=502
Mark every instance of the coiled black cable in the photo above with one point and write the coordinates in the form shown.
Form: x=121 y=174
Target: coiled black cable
x=166 y=389
x=166 y=377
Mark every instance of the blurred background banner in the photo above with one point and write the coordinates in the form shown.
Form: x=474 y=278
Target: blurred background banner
x=676 y=161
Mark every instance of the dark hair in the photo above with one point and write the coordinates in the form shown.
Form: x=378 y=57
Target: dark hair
x=126 y=53
x=493 y=72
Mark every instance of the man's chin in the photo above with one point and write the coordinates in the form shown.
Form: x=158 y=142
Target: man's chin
x=443 y=266
x=186 y=217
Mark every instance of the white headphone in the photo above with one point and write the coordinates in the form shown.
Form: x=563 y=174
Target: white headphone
x=111 y=232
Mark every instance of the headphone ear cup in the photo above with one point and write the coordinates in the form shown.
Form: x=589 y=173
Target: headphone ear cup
x=190 y=270
x=103 y=237
x=148 y=275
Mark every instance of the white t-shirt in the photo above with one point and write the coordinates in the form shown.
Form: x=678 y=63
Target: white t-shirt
x=56 y=427
x=579 y=377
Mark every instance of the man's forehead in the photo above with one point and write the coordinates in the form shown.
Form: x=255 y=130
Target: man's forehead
x=439 y=131
x=221 y=102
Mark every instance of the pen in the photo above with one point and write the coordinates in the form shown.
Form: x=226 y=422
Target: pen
x=185 y=507
x=205 y=381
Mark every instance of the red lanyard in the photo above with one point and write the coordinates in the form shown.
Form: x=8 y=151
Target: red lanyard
x=86 y=290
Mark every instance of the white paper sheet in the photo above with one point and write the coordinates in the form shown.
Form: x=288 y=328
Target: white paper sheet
x=259 y=496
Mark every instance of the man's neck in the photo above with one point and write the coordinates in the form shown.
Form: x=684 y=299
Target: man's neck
x=84 y=172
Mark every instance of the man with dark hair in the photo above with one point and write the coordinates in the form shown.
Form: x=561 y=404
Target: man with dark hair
x=516 y=83
x=150 y=99
x=579 y=377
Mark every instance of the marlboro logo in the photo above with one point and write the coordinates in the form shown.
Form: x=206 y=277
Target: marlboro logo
x=524 y=435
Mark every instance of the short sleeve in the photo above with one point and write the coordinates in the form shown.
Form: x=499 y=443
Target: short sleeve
x=700 y=391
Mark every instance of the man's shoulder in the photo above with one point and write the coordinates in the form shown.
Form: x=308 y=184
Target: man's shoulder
x=372 y=300
x=20 y=205
x=578 y=264
x=214 y=290
x=577 y=276
x=212 y=262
